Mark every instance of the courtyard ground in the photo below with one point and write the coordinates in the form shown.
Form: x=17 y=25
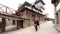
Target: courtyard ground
x=45 y=28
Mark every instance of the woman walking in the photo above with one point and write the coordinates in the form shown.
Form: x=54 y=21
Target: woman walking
x=36 y=23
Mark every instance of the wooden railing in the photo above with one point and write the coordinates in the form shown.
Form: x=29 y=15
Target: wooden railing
x=6 y=10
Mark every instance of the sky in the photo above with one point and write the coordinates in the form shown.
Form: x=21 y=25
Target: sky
x=49 y=8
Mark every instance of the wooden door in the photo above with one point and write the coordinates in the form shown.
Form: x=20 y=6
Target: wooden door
x=21 y=23
x=3 y=24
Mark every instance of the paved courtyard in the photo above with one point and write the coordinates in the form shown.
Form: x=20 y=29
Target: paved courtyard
x=45 y=28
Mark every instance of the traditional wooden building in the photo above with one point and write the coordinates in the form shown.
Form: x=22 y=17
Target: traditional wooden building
x=23 y=17
x=27 y=12
x=6 y=21
x=57 y=14
x=48 y=19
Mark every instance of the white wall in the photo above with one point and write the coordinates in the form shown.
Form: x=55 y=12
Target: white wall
x=9 y=22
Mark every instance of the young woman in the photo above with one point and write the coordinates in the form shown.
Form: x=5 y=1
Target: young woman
x=36 y=23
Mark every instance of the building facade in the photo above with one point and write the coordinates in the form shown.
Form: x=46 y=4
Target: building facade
x=7 y=21
x=57 y=14
x=23 y=17
x=30 y=14
x=29 y=11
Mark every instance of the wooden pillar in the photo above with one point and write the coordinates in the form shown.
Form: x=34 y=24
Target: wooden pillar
x=29 y=22
x=3 y=24
x=17 y=24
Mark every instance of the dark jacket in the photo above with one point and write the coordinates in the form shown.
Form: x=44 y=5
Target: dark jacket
x=36 y=22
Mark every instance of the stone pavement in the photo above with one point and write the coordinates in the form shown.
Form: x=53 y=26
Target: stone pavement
x=45 y=28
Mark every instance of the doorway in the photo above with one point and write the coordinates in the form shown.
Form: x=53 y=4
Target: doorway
x=20 y=24
x=13 y=22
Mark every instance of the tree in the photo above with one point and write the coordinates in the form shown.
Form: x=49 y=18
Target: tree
x=46 y=14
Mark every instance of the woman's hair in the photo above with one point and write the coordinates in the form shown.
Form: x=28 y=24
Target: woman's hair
x=33 y=18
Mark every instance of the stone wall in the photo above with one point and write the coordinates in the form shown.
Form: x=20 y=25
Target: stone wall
x=26 y=23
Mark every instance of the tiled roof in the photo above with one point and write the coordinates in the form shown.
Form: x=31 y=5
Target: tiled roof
x=28 y=5
x=40 y=1
x=55 y=2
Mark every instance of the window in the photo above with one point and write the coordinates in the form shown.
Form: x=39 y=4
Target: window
x=8 y=19
x=13 y=22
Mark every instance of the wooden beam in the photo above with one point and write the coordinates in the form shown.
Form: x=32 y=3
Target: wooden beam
x=2 y=16
x=3 y=24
